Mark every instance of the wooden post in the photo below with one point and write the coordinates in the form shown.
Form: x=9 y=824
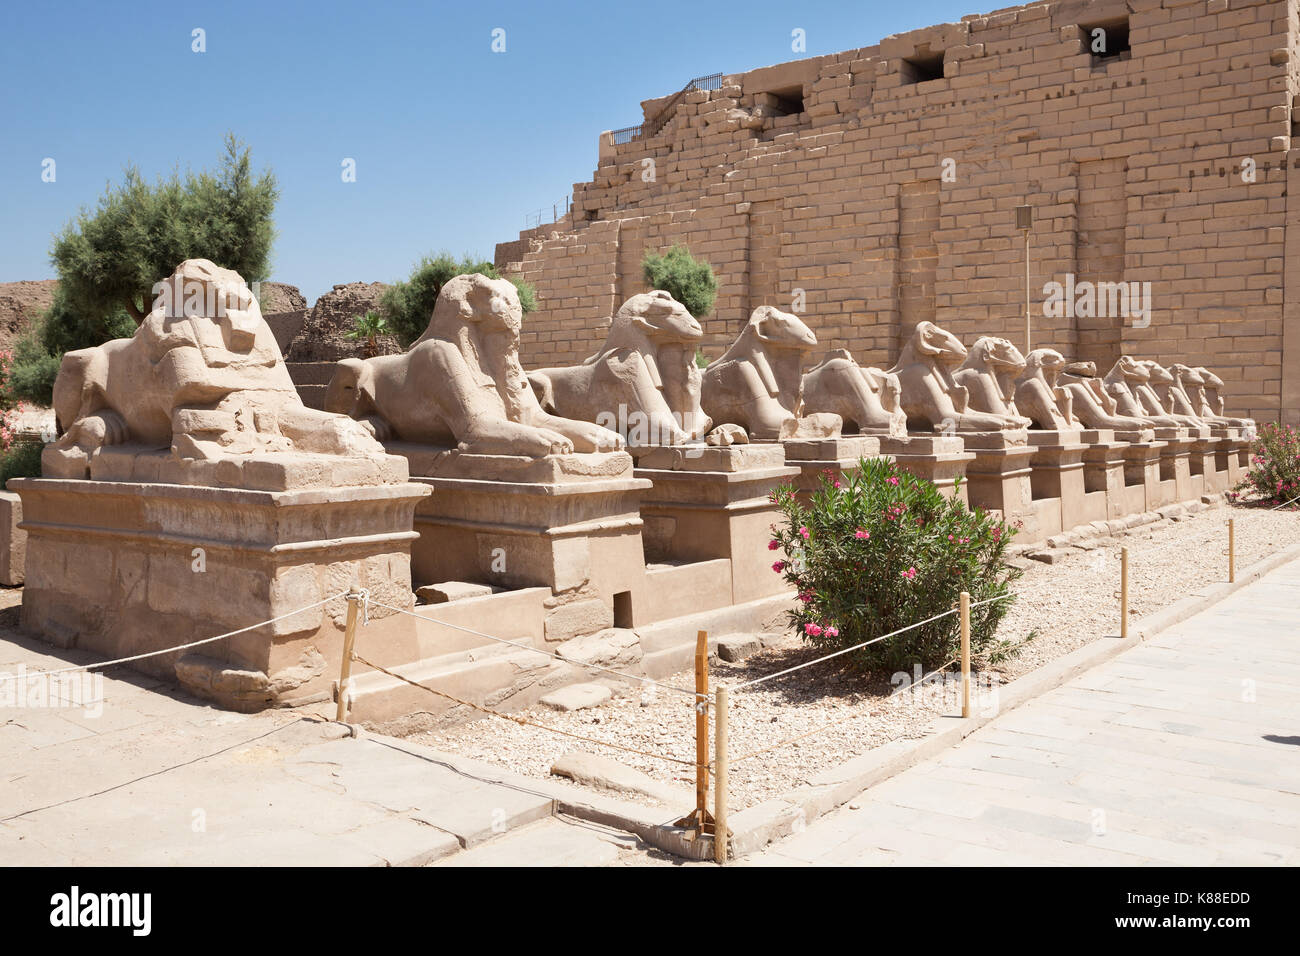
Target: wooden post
x=349 y=641
x=720 y=832
x=699 y=819
x=965 y=653
x=1232 y=552
x=1123 y=593
x=702 y=724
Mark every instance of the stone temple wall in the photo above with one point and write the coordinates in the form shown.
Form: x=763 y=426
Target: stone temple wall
x=827 y=175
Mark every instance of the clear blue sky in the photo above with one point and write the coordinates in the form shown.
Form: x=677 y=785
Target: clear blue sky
x=454 y=144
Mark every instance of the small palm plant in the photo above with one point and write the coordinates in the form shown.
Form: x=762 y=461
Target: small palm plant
x=369 y=327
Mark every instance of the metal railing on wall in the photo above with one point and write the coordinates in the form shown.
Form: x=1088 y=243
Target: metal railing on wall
x=652 y=126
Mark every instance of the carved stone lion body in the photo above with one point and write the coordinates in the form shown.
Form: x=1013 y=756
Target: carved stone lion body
x=644 y=378
x=1092 y=404
x=202 y=374
x=988 y=374
x=1126 y=383
x=757 y=382
x=866 y=399
x=1039 y=396
x=1211 y=402
x=1168 y=397
x=461 y=383
x=930 y=396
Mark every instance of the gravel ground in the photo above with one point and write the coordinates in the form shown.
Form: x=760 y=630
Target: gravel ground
x=1067 y=604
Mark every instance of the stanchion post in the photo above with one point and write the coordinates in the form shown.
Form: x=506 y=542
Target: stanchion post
x=1232 y=551
x=1123 y=593
x=720 y=832
x=965 y=654
x=702 y=723
x=349 y=641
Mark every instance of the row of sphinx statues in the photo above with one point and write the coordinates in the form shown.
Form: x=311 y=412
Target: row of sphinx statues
x=204 y=378
x=644 y=385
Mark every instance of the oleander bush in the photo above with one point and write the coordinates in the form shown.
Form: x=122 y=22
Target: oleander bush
x=20 y=456
x=878 y=549
x=1274 y=475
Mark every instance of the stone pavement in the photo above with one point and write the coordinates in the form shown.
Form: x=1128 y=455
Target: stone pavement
x=1184 y=750
x=151 y=777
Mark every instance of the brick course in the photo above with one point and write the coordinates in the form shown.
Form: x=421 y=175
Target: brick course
x=1132 y=164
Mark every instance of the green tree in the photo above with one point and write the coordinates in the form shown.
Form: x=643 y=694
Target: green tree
x=409 y=305
x=369 y=328
x=109 y=258
x=688 y=280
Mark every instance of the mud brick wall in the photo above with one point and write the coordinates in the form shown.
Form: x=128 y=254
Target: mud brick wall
x=827 y=175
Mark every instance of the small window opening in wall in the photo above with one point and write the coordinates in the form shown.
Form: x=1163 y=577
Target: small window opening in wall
x=922 y=67
x=1107 y=40
x=787 y=102
x=623 y=609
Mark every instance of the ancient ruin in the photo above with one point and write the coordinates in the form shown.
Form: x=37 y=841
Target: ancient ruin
x=874 y=188
x=192 y=493
x=644 y=379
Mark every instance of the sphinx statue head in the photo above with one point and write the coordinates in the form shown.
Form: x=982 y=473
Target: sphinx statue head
x=643 y=383
x=461 y=383
x=202 y=377
x=757 y=383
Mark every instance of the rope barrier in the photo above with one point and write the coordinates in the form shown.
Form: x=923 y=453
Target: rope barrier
x=856 y=647
x=523 y=722
x=1285 y=503
x=172 y=650
x=538 y=650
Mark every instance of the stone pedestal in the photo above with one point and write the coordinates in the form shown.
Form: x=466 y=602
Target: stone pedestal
x=1200 y=465
x=1142 y=490
x=566 y=522
x=999 y=476
x=123 y=568
x=1056 y=474
x=708 y=503
x=940 y=459
x=1231 y=456
x=1175 y=467
x=1103 y=474
x=817 y=456
x=13 y=540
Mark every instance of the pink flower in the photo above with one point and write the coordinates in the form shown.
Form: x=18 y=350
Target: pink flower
x=805 y=596
x=804 y=533
x=778 y=567
x=832 y=632
x=863 y=535
x=892 y=481
x=813 y=630
x=773 y=544
x=909 y=573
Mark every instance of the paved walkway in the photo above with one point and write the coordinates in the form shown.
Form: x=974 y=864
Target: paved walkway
x=146 y=775
x=1185 y=750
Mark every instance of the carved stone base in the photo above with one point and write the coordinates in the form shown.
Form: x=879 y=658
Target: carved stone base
x=1057 y=474
x=999 y=477
x=1103 y=474
x=123 y=568
x=941 y=459
x=1142 y=491
x=713 y=503
x=566 y=522
x=815 y=457
x=1175 y=466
